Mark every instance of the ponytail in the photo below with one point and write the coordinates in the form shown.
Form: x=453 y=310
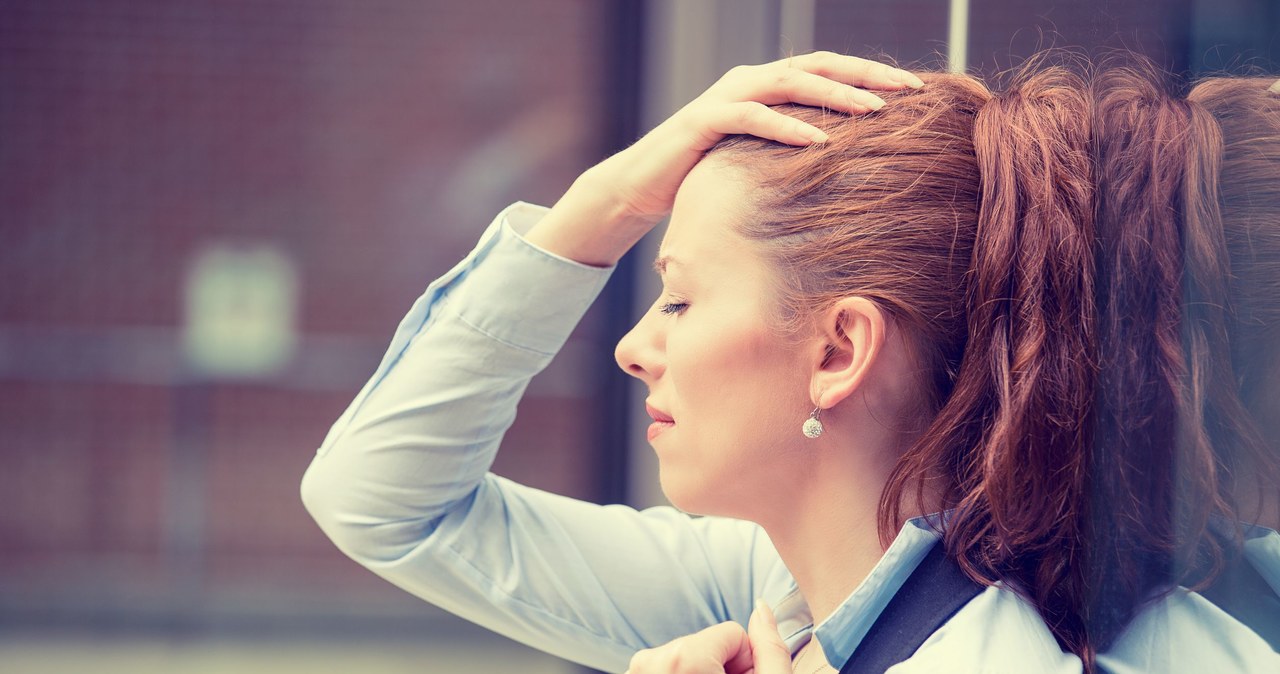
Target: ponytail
x=1017 y=424
x=993 y=198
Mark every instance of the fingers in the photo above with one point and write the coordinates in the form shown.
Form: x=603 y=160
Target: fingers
x=641 y=181
x=721 y=649
x=736 y=655
x=718 y=649
x=854 y=71
x=724 y=642
x=769 y=653
x=820 y=79
x=792 y=85
x=757 y=119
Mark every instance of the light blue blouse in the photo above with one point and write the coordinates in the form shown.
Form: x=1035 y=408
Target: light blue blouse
x=402 y=485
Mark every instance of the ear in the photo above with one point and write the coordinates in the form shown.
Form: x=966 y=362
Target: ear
x=850 y=336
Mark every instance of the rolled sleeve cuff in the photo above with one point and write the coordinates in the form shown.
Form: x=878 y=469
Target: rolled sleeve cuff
x=523 y=295
x=515 y=292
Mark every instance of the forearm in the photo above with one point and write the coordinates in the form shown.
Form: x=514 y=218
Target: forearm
x=401 y=484
x=422 y=433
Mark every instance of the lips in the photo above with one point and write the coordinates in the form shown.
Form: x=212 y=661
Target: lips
x=658 y=415
x=661 y=421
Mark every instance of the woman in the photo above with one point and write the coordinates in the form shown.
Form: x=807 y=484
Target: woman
x=906 y=289
x=1176 y=456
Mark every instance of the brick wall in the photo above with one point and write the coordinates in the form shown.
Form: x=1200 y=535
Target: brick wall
x=368 y=143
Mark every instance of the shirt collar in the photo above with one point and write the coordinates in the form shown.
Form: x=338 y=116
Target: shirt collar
x=842 y=631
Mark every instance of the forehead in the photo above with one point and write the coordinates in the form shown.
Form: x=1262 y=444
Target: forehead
x=703 y=232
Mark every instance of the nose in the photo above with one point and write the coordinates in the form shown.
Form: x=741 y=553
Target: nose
x=640 y=352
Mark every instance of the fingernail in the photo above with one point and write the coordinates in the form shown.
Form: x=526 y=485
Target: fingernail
x=762 y=608
x=816 y=135
x=876 y=103
x=909 y=79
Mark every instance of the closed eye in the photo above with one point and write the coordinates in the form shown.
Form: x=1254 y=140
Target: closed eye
x=673 y=307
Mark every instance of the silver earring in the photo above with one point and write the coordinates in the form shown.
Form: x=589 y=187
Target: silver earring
x=812 y=427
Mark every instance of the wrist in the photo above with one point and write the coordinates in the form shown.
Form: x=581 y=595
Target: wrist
x=591 y=223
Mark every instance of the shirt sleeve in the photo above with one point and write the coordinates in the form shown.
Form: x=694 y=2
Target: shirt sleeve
x=401 y=483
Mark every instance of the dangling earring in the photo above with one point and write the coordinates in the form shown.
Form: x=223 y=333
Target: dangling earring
x=812 y=427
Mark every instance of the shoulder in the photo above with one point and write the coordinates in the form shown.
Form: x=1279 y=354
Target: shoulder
x=997 y=632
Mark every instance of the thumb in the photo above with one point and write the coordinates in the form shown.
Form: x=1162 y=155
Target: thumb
x=770 y=654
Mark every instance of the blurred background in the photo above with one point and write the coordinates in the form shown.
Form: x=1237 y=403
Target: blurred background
x=213 y=214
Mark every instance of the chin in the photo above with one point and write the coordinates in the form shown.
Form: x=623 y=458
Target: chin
x=693 y=496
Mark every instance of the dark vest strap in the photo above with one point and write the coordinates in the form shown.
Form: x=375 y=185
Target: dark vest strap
x=1245 y=595
x=930 y=596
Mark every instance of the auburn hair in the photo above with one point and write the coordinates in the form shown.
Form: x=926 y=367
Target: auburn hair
x=1247 y=110
x=968 y=217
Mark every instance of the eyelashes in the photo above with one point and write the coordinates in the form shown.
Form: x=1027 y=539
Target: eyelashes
x=673 y=307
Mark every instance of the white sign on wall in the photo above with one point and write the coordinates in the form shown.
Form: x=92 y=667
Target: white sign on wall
x=241 y=307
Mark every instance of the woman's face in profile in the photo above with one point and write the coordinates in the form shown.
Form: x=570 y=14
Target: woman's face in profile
x=735 y=391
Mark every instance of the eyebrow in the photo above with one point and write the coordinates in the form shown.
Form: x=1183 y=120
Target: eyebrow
x=660 y=263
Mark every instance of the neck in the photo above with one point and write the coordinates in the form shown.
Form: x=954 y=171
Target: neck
x=827 y=535
x=830 y=554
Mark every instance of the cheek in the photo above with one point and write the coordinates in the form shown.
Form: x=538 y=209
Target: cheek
x=739 y=398
x=739 y=375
